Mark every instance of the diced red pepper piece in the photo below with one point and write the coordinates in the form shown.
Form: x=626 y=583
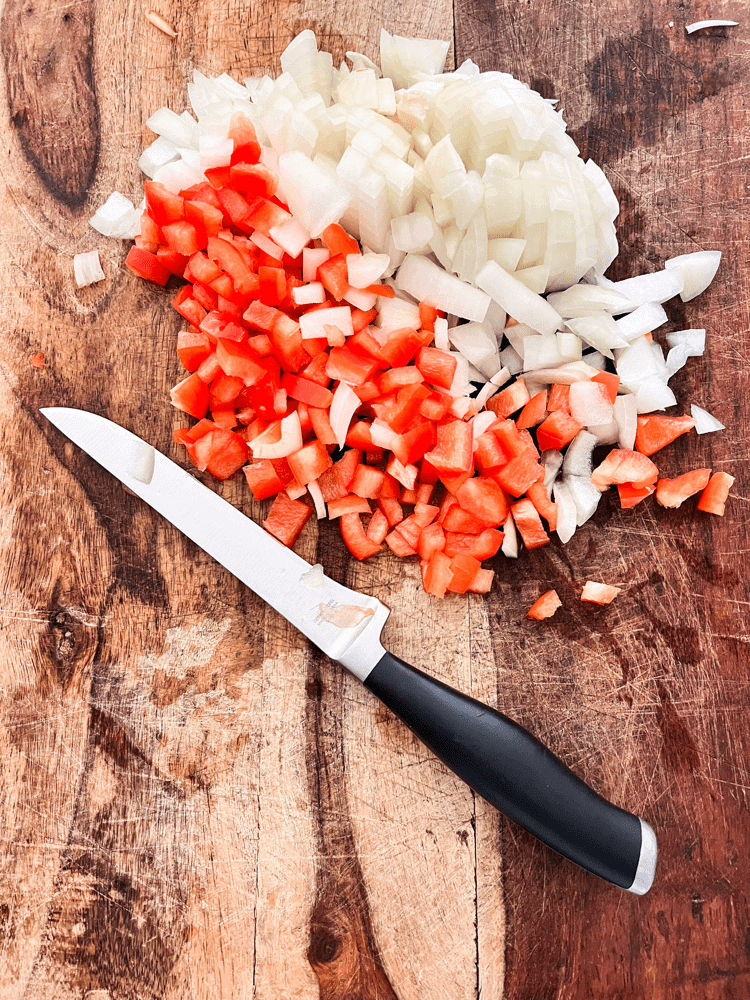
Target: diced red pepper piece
x=348 y=505
x=510 y=399
x=534 y=412
x=405 y=474
x=349 y=366
x=488 y=454
x=399 y=410
x=272 y=285
x=485 y=500
x=410 y=530
x=287 y=518
x=378 y=527
x=306 y=391
x=193 y=347
x=435 y=406
x=254 y=180
x=222 y=451
x=599 y=593
x=321 y=425
x=359 y=436
x=395 y=378
x=361 y=319
x=545 y=606
x=181 y=237
x=482 y=546
x=174 y=262
x=338 y=241
x=482 y=582
x=399 y=545
x=557 y=430
x=427 y=316
x=431 y=540
x=191 y=396
x=231 y=260
x=655 y=432
x=262 y=479
x=454 y=451
x=414 y=444
x=672 y=492
x=246 y=145
x=519 y=474
x=288 y=343
x=224 y=390
x=399 y=347
x=147 y=265
x=463 y=570
x=261 y=317
x=539 y=496
x=355 y=539
x=391 y=508
x=310 y=462
x=714 y=497
x=460 y=520
x=529 y=524
x=335 y=483
x=209 y=369
x=437 y=367
x=238 y=360
x=631 y=495
x=265 y=214
x=514 y=443
x=436 y=574
x=623 y=466
x=367 y=482
x=559 y=398
x=162 y=205
x=334 y=275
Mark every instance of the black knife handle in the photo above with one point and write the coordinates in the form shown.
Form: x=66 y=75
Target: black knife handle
x=513 y=771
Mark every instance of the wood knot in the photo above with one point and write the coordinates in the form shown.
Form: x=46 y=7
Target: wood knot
x=51 y=93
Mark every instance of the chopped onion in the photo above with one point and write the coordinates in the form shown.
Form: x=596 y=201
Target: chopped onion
x=517 y=300
x=431 y=284
x=705 y=423
x=314 y=197
x=509 y=547
x=481 y=423
x=578 y=460
x=320 y=513
x=87 y=269
x=644 y=319
x=160 y=151
x=654 y=394
x=367 y=268
x=567 y=512
x=589 y=404
x=345 y=404
x=267 y=246
x=694 y=340
x=382 y=435
x=270 y=445
x=307 y=295
x=656 y=287
x=599 y=331
x=395 y=314
x=676 y=359
x=312 y=258
x=360 y=299
x=117 y=217
x=290 y=236
x=215 y=151
x=700 y=25
x=697 y=269
x=626 y=415
x=586 y=300
x=441 y=333
x=312 y=324
x=552 y=461
x=585 y=496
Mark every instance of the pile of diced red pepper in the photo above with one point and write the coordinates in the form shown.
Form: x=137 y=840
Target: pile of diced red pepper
x=250 y=367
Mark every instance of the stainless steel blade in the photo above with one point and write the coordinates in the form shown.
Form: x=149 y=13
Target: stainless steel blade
x=261 y=562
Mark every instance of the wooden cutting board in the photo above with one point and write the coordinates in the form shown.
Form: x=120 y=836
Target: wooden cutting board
x=195 y=805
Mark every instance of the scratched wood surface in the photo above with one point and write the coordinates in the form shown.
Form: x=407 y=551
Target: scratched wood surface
x=195 y=805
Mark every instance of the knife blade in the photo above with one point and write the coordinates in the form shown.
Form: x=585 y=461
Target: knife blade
x=501 y=761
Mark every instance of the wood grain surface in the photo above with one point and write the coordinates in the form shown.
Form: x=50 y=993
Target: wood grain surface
x=194 y=804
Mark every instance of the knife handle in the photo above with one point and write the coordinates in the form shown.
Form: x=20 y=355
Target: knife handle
x=513 y=771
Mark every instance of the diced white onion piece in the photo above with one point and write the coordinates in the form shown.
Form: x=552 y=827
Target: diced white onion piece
x=578 y=460
x=215 y=151
x=160 y=151
x=116 y=217
x=535 y=278
x=705 y=423
x=429 y=283
x=626 y=415
x=512 y=360
x=172 y=126
x=509 y=548
x=441 y=333
x=397 y=313
x=343 y=407
x=506 y=252
x=644 y=319
x=567 y=512
x=404 y=60
x=266 y=245
x=490 y=388
x=312 y=258
x=567 y=374
x=313 y=324
x=636 y=363
x=605 y=433
x=552 y=461
x=310 y=294
x=87 y=269
x=586 y=300
x=177 y=176
x=700 y=25
x=596 y=360
x=676 y=359
x=697 y=269
x=541 y=351
x=460 y=406
x=478 y=345
x=589 y=404
x=516 y=299
x=365 y=269
x=141 y=461
x=360 y=299
x=291 y=236
x=320 y=508
x=290 y=441
x=694 y=340
x=585 y=495
x=599 y=331
x=480 y=423
x=411 y=233
x=653 y=393
x=314 y=197
x=656 y=287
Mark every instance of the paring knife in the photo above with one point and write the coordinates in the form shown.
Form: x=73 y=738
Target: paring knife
x=505 y=764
